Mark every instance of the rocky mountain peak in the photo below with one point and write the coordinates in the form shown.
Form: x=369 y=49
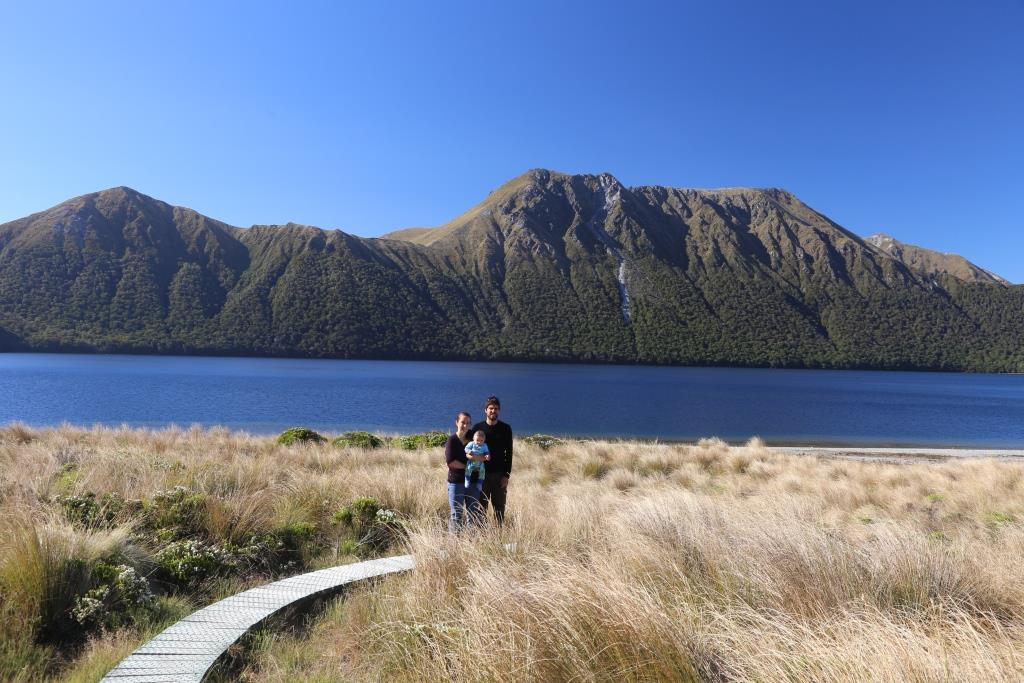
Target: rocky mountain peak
x=882 y=241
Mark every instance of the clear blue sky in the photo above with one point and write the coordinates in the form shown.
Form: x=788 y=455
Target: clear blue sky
x=902 y=117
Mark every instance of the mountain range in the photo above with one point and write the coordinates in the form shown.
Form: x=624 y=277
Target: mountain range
x=548 y=267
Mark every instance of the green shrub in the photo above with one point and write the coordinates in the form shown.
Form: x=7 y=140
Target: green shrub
x=358 y=440
x=92 y=511
x=296 y=533
x=297 y=541
x=298 y=435
x=358 y=516
x=175 y=513
x=83 y=509
x=190 y=562
x=367 y=527
x=413 y=442
x=119 y=594
x=259 y=552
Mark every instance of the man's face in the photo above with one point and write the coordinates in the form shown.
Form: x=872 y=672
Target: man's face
x=492 y=411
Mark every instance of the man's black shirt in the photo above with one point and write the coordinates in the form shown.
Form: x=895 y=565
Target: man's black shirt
x=499 y=442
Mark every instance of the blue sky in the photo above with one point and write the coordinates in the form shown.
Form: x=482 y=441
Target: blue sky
x=904 y=117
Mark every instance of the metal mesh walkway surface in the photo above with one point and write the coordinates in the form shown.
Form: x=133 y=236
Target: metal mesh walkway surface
x=188 y=649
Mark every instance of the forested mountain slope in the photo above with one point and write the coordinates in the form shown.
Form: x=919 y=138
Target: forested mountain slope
x=548 y=267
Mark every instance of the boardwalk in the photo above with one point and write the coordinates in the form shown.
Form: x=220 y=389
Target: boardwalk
x=187 y=650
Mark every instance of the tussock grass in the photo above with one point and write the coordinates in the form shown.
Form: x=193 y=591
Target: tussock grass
x=632 y=561
x=221 y=489
x=642 y=562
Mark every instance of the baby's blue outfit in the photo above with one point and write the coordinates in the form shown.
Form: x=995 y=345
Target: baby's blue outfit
x=475 y=465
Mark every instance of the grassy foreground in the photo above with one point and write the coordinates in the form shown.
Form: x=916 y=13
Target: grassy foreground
x=632 y=561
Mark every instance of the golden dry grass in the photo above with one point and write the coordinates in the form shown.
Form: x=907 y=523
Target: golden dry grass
x=632 y=561
x=658 y=562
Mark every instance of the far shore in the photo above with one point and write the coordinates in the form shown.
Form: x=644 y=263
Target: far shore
x=905 y=454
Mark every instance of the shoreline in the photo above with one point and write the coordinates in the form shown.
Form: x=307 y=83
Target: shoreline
x=898 y=455
x=206 y=354
x=851 y=451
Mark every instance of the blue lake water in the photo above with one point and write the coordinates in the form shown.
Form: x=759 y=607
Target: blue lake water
x=264 y=395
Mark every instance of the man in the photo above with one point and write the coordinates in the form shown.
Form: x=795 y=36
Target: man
x=498 y=437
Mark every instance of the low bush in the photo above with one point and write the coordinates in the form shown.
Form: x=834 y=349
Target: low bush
x=189 y=562
x=359 y=516
x=367 y=527
x=175 y=513
x=118 y=596
x=297 y=542
x=414 y=442
x=81 y=509
x=299 y=435
x=100 y=512
x=358 y=440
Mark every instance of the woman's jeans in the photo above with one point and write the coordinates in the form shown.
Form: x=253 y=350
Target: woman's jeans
x=475 y=512
x=460 y=495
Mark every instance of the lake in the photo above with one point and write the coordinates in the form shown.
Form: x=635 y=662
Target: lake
x=267 y=395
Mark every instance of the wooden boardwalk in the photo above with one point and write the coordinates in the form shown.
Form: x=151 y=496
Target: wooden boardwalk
x=187 y=650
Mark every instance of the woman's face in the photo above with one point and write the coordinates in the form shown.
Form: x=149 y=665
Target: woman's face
x=461 y=423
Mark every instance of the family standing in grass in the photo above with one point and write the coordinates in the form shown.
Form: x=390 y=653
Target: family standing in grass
x=479 y=460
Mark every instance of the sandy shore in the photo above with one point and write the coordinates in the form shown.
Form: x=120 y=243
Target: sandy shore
x=899 y=454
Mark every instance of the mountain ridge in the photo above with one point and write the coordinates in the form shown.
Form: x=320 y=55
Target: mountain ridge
x=548 y=266
x=933 y=262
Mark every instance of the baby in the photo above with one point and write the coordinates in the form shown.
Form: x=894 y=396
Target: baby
x=476 y=455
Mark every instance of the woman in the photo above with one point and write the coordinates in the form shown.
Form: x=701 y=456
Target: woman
x=455 y=457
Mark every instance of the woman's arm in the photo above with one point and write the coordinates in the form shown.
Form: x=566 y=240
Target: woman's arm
x=451 y=456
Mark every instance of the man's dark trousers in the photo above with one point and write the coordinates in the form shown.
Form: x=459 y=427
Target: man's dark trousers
x=493 y=494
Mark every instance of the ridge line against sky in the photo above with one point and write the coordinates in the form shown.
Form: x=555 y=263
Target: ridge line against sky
x=903 y=120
